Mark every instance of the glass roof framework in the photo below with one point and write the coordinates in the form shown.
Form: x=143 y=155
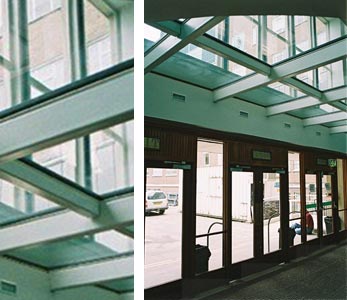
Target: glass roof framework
x=297 y=64
x=66 y=99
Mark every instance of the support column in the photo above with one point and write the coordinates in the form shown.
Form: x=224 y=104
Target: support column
x=78 y=60
x=20 y=75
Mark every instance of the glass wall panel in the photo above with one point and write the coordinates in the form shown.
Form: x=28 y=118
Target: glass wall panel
x=48 y=43
x=240 y=32
x=311 y=203
x=5 y=88
x=163 y=226
x=294 y=193
x=100 y=55
x=17 y=204
x=302 y=31
x=209 y=202
x=112 y=155
x=331 y=76
x=4 y=31
x=109 y=157
x=271 y=212
x=242 y=237
x=46 y=49
x=277 y=45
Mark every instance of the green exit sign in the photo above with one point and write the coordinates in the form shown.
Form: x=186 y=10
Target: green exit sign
x=152 y=143
x=332 y=163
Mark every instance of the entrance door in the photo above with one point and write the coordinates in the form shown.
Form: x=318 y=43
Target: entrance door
x=165 y=240
x=321 y=204
x=256 y=212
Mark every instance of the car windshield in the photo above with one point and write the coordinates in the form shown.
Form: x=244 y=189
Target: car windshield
x=158 y=195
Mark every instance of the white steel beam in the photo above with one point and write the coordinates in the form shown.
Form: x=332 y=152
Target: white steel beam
x=66 y=225
x=303 y=102
x=313 y=59
x=92 y=273
x=333 y=117
x=217 y=47
x=338 y=129
x=96 y=106
x=35 y=180
x=303 y=87
x=171 y=45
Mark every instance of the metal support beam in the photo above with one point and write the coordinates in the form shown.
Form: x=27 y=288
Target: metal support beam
x=66 y=225
x=171 y=45
x=92 y=273
x=338 y=129
x=24 y=175
x=92 y=108
x=303 y=102
x=333 y=117
x=307 y=61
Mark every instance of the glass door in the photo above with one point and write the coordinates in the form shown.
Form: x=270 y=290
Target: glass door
x=163 y=226
x=312 y=209
x=271 y=212
x=242 y=207
x=327 y=205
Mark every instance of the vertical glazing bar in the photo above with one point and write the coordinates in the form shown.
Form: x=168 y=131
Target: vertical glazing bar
x=78 y=58
x=292 y=44
x=115 y=35
x=226 y=40
x=313 y=30
x=263 y=38
x=20 y=73
x=19 y=51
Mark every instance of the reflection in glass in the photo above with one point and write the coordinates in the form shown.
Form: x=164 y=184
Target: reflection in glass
x=209 y=201
x=242 y=216
x=271 y=212
x=163 y=227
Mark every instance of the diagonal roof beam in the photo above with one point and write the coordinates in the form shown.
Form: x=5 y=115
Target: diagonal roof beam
x=33 y=179
x=218 y=47
x=313 y=59
x=338 y=129
x=303 y=102
x=92 y=273
x=171 y=45
x=68 y=224
x=333 y=117
x=91 y=108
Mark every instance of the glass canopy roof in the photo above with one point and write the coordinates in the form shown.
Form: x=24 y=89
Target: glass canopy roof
x=240 y=51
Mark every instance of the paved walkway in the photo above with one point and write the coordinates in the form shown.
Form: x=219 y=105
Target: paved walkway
x=321 y=276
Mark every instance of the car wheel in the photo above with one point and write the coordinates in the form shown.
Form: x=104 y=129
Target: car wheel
x=161 y=211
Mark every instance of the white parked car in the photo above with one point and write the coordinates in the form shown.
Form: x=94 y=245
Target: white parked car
x=156 y=201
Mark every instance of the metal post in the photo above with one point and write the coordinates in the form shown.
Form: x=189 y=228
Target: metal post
x=313 y=30
x=78 y=57
x=20 y=72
